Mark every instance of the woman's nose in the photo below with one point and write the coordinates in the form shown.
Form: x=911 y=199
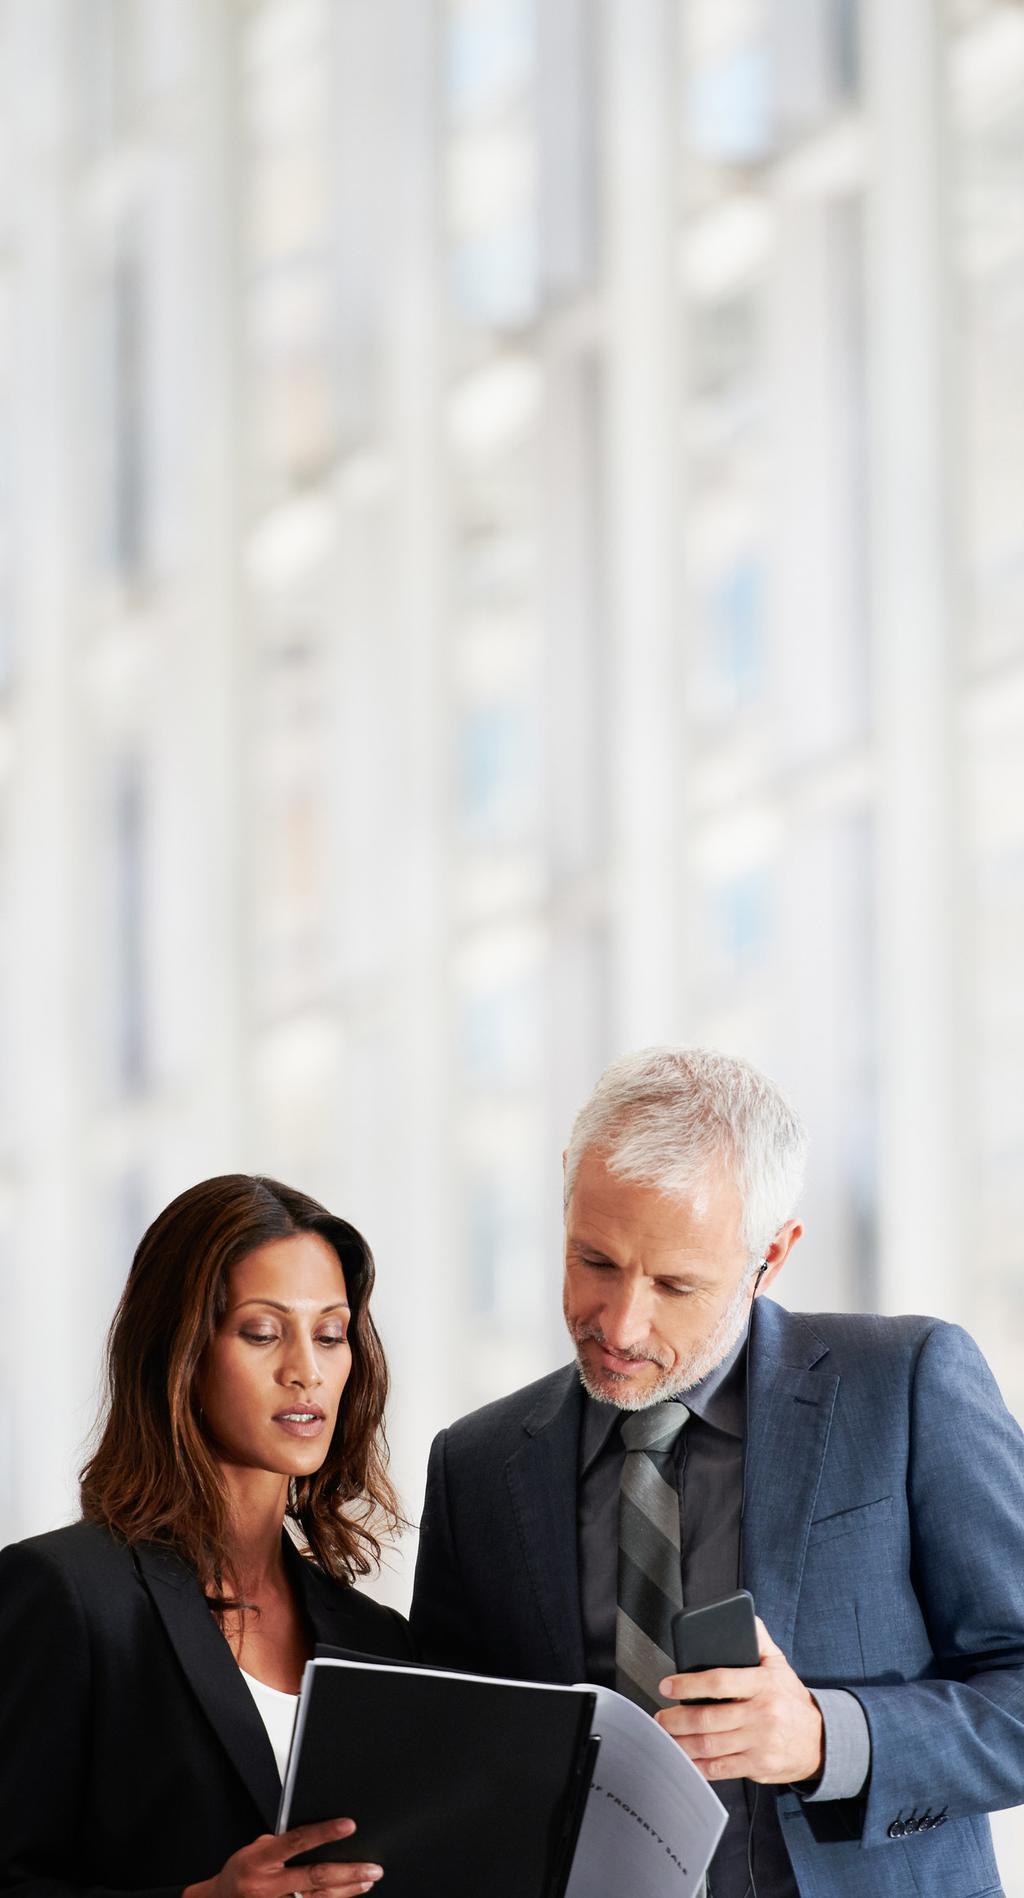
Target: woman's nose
x=301 y=1367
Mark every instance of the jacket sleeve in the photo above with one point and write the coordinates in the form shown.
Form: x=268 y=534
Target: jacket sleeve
x=953 y=1744
x=442 y=1622
x=45 y=1731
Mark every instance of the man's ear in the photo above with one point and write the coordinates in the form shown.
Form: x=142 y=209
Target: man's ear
x=777 y=1253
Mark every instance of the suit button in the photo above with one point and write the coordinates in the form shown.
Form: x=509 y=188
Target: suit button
x=940 y=1819
x=897 y=1829
x=925 y=1824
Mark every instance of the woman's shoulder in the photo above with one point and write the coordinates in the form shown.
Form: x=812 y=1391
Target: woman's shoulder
x=83 y=1557
x=67 y=1581
x=78 y=1547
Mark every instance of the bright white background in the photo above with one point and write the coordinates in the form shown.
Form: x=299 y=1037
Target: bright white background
x=511 y=547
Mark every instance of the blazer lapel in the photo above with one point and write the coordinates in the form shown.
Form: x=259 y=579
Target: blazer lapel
x=790 y=1399
x=212 y=1673
x=330 y=1607
x=541 y=1478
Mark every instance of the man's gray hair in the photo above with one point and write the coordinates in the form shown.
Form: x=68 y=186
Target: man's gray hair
x=665 y=1117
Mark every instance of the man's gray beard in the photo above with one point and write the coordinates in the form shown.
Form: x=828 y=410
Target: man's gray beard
x=685 y=1377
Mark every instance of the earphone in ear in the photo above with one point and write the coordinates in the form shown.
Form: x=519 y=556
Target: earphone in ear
x=762 y=1269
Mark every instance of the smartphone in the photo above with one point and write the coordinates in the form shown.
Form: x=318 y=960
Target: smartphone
x=722 y=1634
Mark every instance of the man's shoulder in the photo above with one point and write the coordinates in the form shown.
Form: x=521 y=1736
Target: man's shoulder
x=899 y=1333
x=504 y=1419
x=866 y=1343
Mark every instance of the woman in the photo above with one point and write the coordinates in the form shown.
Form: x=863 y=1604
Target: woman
x=150 y=1654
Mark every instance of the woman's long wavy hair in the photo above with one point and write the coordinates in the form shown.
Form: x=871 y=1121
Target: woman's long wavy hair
x=154 y=1476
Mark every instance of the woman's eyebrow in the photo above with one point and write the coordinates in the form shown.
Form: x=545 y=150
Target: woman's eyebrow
x=339 y=1305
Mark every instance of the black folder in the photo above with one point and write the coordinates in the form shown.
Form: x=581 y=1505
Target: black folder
x=459 y=1786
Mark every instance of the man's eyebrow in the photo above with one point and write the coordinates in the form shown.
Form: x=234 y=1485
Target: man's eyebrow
x=339 y=1305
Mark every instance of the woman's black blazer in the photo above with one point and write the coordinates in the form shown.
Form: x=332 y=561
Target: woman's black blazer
x=132 y=1755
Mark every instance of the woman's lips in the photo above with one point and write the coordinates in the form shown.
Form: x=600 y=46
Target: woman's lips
x=301 y=1422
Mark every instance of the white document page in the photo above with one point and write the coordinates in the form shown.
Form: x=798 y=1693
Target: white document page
x=652 y=1822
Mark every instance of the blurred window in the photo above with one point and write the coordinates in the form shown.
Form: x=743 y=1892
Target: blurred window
x=13 y=1468
x=288 y=250
x=757 y=75
x=502 y=1245
x=987 y=87
x=289 y=874
x=102 y=33
x=498 y=977
x=122 y=422
x=7 y=450
x=129 y=968
x=498 y=772
x=492 y=172
x=568 y=92
x=726 y=433
x=995 y=1117
x=728 y=78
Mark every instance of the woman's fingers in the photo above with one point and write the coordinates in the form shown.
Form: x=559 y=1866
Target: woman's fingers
x=262 y=1869
x=334 y=1881
x=304 y=1838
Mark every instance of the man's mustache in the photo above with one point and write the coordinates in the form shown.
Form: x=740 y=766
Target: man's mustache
x=587 y=1333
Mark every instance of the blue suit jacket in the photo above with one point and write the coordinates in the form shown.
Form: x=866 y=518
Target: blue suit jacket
x=883 y=1541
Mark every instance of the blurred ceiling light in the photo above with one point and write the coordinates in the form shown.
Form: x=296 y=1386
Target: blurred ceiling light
x=987 y=64
x=493 y=885
x=7 y=747
x=366 y=476
x=832 y=163
x=726 y=246
x=290 y=540
x=715 y=28
x=497 y=650
x=490 y=176
x=742 y=841
x=494 y=404
x=299 y=1052
x=492 y=958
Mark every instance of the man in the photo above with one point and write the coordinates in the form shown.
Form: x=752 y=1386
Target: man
x=860 y=1475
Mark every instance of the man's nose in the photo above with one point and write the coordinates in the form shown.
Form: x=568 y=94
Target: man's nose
x=625 y=1319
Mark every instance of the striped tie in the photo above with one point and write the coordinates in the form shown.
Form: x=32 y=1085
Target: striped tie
x=650 y=1564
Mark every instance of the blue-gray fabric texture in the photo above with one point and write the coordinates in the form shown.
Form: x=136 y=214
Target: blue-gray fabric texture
x=883 y=1541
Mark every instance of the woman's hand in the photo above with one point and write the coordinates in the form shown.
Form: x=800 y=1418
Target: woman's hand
x=259 y=1870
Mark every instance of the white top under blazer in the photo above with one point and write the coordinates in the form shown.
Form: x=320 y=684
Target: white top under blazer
x=277 y=1711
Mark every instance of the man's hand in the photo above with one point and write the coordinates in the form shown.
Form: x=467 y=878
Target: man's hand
x=768 y=1727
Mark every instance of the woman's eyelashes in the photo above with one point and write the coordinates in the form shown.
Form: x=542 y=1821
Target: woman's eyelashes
x=274 y=1337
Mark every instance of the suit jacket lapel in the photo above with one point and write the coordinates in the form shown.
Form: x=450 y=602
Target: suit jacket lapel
x=790 y=1399
x=213 y=1674
x=541 y=1478
x=328 y=1605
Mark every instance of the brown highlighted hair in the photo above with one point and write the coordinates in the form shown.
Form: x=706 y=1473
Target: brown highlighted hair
x=154 y=1476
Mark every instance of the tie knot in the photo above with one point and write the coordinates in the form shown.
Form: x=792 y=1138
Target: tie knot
x=654 y=1429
